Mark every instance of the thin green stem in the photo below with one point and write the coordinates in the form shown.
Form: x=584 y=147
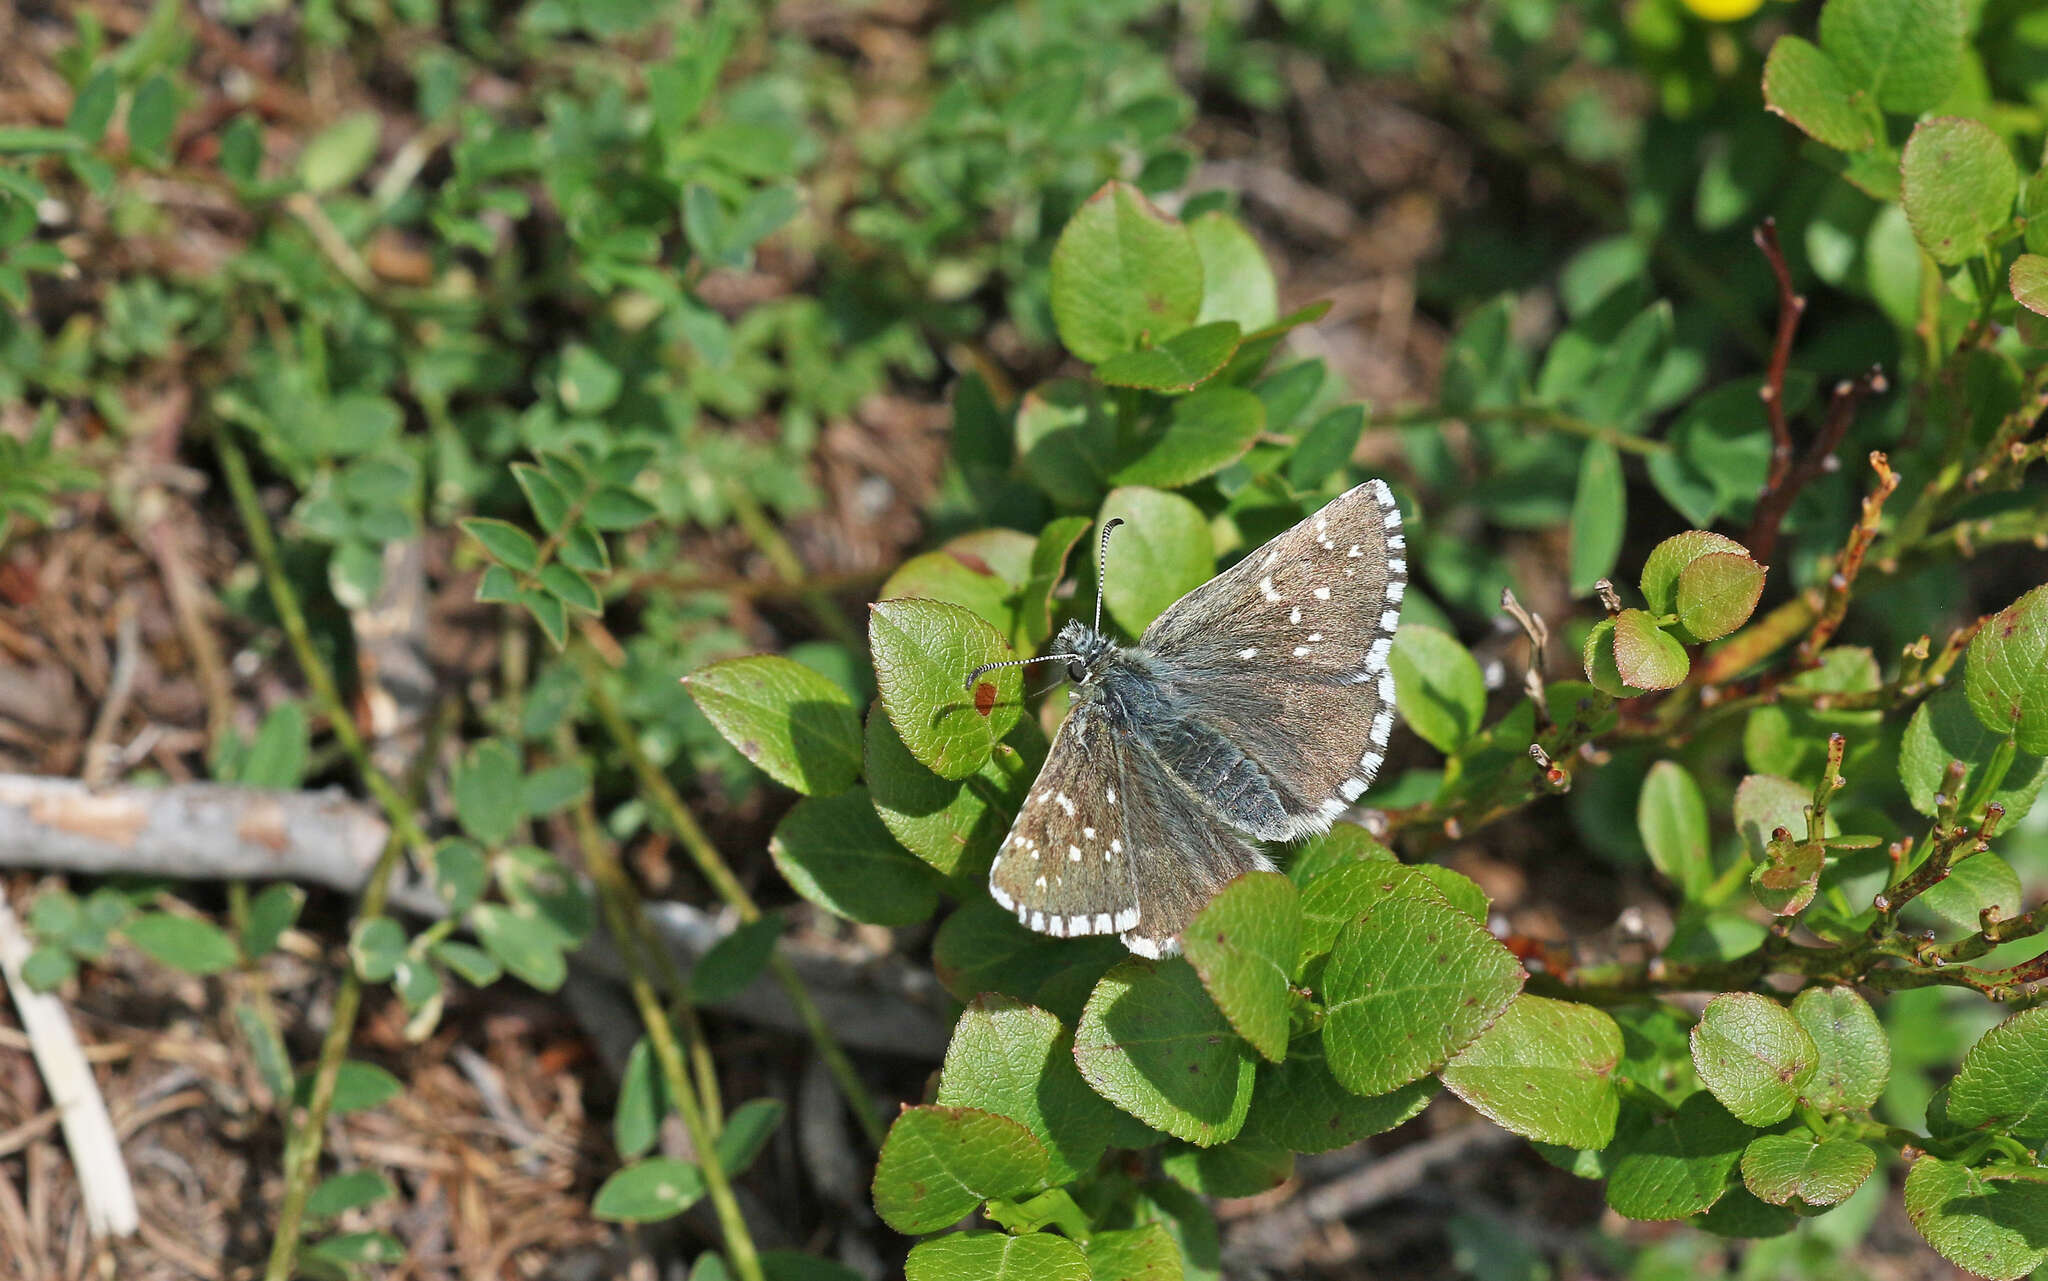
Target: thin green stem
x=302 y=1156
x=658 y=791
x=790 y=567
x=626 y=917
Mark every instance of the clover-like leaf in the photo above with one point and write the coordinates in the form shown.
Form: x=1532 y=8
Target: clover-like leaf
x=1784 y=1169
x=1163 y=552
x=793 y=722
x=835 y=852
x=1677 y=1165
x=1152 y=1042
x=648 y=1191
x=1122 y=273
x=1411 y=981
x=1958 y=184
x=1645 y=655
x=939 y=1163
x=1015 y=1060
x=1853 y=1054
x=1202 y=434
x=1978 y=1220
x=1243 y=946
x=924 y=651
x=2003 y=1082
x=1438 y=687
x=1753 y=1055
x=2007 y=677
x=1181 y=363
x=1544 y=1070
x=998 y=1256
x=1299 y=1105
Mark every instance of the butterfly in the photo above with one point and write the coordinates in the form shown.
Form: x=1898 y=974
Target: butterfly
x=1256 y=708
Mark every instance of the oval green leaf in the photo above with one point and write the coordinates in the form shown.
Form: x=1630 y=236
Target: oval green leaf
x=924 y=651
x=835 y=852
x=939 y=1163
x=1753 y=1055
x=1151 y=1042
x=793 y=722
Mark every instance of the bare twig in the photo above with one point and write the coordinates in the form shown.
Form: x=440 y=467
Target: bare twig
x=1849 y=564
x=1777 y=498
x=103 y=1181
x=100 y=754
x=1791 y=306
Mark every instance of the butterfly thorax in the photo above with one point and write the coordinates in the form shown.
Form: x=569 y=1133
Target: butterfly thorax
x=1090 y=653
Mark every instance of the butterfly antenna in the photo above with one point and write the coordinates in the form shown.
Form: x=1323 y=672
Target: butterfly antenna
x=975 y=675
x=1102 y=565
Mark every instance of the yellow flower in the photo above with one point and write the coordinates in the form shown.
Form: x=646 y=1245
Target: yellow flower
x=1724 y=10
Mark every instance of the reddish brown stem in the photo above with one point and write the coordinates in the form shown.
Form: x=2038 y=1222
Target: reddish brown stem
x=1777 y=499
x=1849 y=563
x=1791 y=306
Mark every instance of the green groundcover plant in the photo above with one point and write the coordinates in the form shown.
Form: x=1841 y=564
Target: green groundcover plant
x=1861 y=854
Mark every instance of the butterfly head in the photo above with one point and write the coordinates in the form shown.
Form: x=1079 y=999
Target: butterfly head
x=1086 y=651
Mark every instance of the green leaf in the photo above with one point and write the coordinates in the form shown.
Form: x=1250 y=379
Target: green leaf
x=1753 y=1055
x=1805 y=86
x=1544 y=1070
x=1717 y=593
x=1334 y=900
x=356 y=1248
x=648 y=1191
x=1763 y=803
x=507 y=544
x=1959 y=182
x=1854 y=1057
x=2029 y=281
x=1907 y=54
x=1784 y=1168
x=273 y=1064
x=1411 y=981
x=339 y=152
x=1147 y=1253
x=1973 y=884
x=358 y=1087
x=1237 y=282
x=93 y=109
x=1203 y=434
x=352 y=1190
x=1945 y=729
x=487 y=791
x=475 y=966
x=571 y=588
x=939 y=1163
x=734 y=962
x=196 y=947
x=1163 y=552
x=521 y=943
x=1151 y=1042
x=2003 y=1082
x=1671 y=815
x=553 y=788
x=1299 y=1105
x=1787 y=880
x=1066 y=441
x=1245 y=1166
x=643 y=1102
x=1243 y=946
x=1977 y=1220
x=981 y=948
x=278 y=756
x=1645 y=655
x=272 y=911
x=1669 y=558
x=983 y=571
x=1181 y=363
x=1048 y=565
x=835 y=852
x=1326 y=447
x=1015 y=1060
x=1122 y=273
x=47 y=966
x=746 y=1133
x=587 y=383
x=1599 y=515
x=955 y=826
x=1438 y=687
x=375 y=948
x=460 y=873
x=924 y=651
x=796 y=724
x=998 y=1256
x=2007 y=678
x=152 y=119
x=1677 y=1165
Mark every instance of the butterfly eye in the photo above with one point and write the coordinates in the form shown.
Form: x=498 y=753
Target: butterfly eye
x=1075 y=670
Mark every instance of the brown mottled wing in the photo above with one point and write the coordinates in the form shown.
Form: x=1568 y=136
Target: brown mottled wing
x=1283 y=657
x=1181 y=854
x=1065 y=867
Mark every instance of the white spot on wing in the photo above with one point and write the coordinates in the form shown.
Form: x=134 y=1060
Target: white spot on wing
x=1250 y=652
x=1395 y=589
x=1322 y=593
x=1266 y=589
x=1351 y=788
x=1388 y=622
x=1299 y=650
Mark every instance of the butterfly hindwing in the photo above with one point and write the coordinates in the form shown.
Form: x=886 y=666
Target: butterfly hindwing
x=1065 y=867
x=1182 y=855
x=1283 y=658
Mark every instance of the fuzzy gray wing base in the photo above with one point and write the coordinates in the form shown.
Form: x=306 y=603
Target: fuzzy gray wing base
x=1182 y=855
x=1281 y=660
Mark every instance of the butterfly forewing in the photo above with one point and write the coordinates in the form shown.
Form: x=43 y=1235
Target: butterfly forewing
x=1284 y=656
x=1065 y=867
